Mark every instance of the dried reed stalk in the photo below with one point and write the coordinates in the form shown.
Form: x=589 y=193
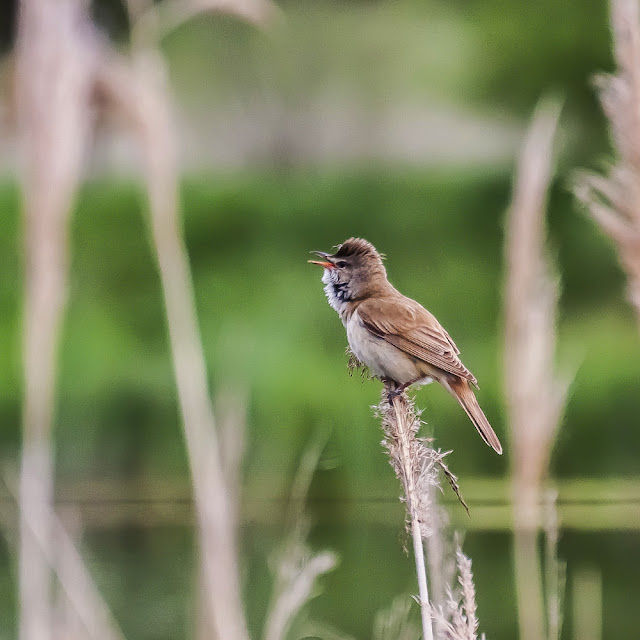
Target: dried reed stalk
x=394 y=623
x=60 y=68
x=439 y=564
x=54 y=64
x=139 y=91
x=535 y=398
x=79 y=589
x=297 y=568
x=214 y=513
x=414 y=467
x=231 y=410
x=555 y=570
x=614 y=201
x=78 y=600
x=457 y=619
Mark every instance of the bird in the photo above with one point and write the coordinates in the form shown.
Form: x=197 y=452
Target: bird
x=395 y=337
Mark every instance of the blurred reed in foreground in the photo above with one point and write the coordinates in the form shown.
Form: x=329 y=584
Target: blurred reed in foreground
x=55 y=65
x=613 y=201
x=56 y=102
x=534 y=394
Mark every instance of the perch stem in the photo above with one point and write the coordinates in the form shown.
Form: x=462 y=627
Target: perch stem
x=405 y=436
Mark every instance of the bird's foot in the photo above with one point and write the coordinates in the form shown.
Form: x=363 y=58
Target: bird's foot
x=394 y=391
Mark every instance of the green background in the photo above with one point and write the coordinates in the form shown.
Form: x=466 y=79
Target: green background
x=268 y=331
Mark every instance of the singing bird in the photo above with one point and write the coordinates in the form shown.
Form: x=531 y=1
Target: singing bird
x=394 y=336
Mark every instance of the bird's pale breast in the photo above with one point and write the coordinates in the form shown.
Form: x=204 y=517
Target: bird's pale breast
x=382 y=358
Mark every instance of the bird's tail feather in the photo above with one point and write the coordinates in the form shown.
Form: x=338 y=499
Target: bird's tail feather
x=463 y=393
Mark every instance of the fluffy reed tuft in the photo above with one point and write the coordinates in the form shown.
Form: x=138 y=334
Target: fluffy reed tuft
x=295 y=566
x=415 y=469
x=420 y=468
x=416 y=463
x=456 y=619
x=535 y=394
x=394 y=622
x=613 y=200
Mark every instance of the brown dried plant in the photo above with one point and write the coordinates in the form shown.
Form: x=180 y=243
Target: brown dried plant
x=395 y=623
x=63 y=71
x=414 y=468
x=535 y=395
x=55 y=62
x=296 y=567
x=456 y=619
x=614 y=200
x=137 y=90
x=419 y=467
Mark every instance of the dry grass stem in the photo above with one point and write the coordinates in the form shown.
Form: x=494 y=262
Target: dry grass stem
x=154 y=21
x=231 y=409
x=54 y=65
x=138 y=91
x=61 y=69
x=468 y=593
x=400 y=424
x=418 y=466
x=298 y=576
x=67 y=622
x=214 y=512
x=439 y=561
x=395 y=622
x=63 y=558
x=555 y=570
x=79 y=588
x=535 y=396
x=296 y=567
x=417 y=470
x=613 y=200
x=456 y=619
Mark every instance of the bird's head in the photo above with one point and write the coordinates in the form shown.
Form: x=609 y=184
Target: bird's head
x=355 y=271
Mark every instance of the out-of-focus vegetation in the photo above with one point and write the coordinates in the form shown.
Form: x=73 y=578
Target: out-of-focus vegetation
x=267 y=328
x=266 y=325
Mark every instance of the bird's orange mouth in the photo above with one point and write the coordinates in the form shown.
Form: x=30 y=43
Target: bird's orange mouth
x=326 y=264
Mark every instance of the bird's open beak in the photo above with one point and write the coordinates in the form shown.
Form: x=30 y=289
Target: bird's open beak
x=326 y=264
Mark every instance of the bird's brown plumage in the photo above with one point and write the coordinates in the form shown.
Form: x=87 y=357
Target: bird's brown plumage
x=408 y=326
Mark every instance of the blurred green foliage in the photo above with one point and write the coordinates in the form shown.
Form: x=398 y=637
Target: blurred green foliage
x=266 y=326
x=267 y=329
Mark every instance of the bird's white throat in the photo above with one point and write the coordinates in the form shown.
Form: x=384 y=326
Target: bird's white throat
x=338 y=293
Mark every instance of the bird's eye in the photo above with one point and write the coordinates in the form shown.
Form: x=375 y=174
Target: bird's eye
x=342 y=264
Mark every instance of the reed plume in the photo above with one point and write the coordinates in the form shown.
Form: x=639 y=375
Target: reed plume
x=535 y=395
x=456 y=619
x=296 y=567
x=613 y=199
x=413 y=465
x=418 y=467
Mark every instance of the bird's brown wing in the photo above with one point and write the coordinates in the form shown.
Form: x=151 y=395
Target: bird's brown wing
x=408 y=326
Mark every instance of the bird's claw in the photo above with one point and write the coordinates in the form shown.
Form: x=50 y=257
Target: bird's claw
x=394 y=393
